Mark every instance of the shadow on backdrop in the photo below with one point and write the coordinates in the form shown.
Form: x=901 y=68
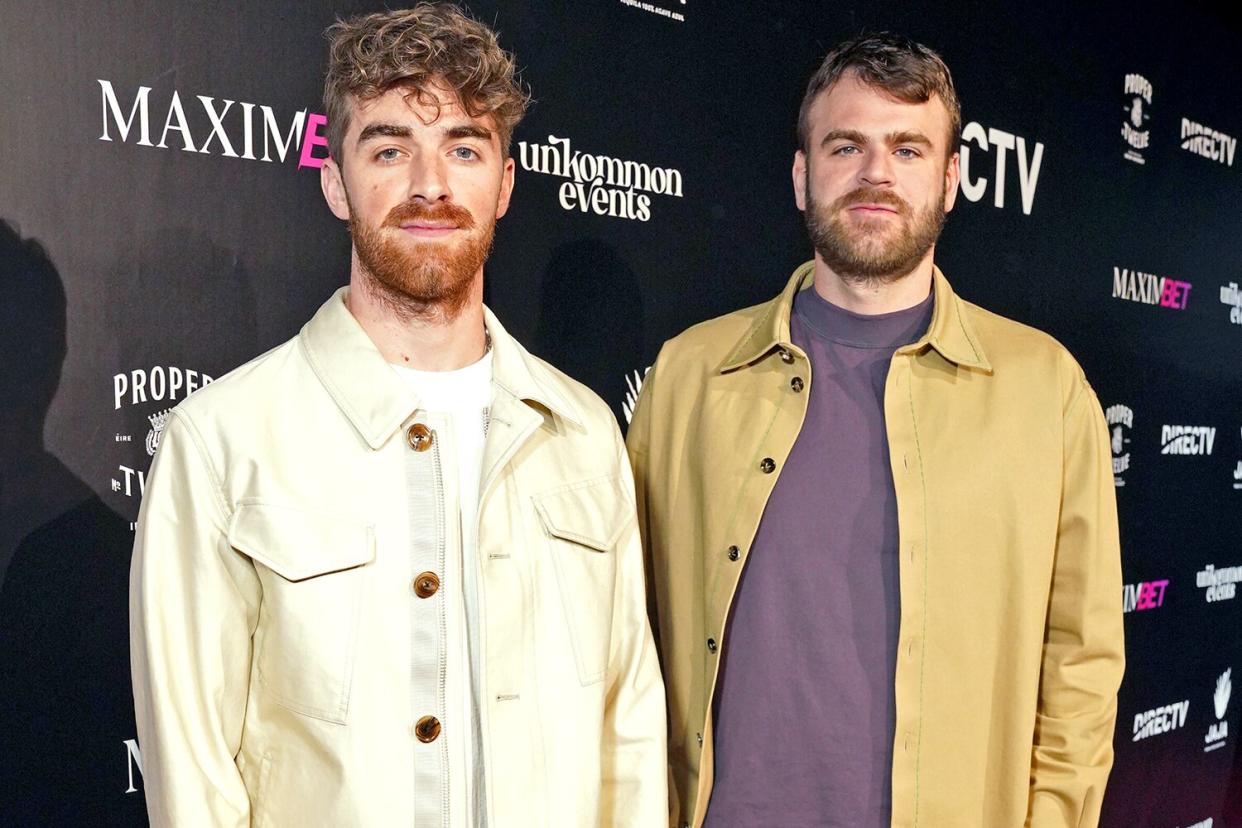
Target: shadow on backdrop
x=64 y=654
x=591 y=318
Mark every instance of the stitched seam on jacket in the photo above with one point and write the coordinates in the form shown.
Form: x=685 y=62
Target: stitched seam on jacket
x=962 y=324
x=918 y=747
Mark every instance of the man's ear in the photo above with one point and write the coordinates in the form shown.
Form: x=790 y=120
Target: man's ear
x=952 y=176
x=799 y=179
x=506 y=188
x=332 y=182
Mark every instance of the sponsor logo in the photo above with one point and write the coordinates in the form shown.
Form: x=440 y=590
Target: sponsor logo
x=1150 y=289
x=1218 y=733
x=600 y=184
x=1187 y=440
x=211 y=126
x=1160 y=720
x=1144 y=595
x=1207 y=142
x=1120 y=421
x=633 y=384
x=133 y=758
x=150 y=393
x=1237 y=476
x=1207 y=823
x=1221 y=584
x=665 y=9
x=1231 y=295
x=1134 y=131
x=1000 y=143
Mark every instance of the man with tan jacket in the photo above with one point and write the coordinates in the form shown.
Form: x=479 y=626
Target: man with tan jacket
x=389 y=572
x=879 y=520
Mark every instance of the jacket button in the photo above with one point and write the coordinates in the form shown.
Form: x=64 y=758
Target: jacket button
x=734 y=553
x=699 y=736
x=420 y=437
x=796 y=384
x=786 y=356
x=767 y=465
x=426 y=584
x=711 y=645
x=427 y=729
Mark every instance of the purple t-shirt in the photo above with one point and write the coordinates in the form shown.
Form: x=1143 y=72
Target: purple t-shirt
x=805 y=711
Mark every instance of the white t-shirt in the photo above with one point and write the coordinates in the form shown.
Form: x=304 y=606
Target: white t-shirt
x=460 y=401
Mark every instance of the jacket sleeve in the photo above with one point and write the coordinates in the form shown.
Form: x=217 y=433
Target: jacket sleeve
x=638 y=443
x=193 y=606
x=635 y=751
x=1084 y=653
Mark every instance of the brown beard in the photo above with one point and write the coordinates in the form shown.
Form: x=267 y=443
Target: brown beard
x=855 y=254
x=429 y=279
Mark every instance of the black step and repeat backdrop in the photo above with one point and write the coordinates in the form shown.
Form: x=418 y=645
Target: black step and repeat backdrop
x=161 y=223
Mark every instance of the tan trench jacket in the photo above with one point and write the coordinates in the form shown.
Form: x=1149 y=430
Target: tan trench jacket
x=1010 y=650
x=271 y=590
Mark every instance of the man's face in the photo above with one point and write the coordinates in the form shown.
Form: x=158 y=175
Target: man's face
x=422 y=189
x=875 y=181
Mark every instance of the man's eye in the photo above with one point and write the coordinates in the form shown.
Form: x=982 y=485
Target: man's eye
x=389 y=154
x=906 y=152
x=848 y=149
x=465 y=153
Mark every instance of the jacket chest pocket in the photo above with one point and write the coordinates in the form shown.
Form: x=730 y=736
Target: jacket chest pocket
x=582 y=523
x=312 y=570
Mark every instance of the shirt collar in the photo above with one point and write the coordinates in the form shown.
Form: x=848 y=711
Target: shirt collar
x=950 y=332
x=377 y=401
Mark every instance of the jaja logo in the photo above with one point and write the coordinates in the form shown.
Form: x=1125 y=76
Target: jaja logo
x=1230 y=295
x=1218 y=733
x=1134 y=130
x=633 y=385
x=600 y=184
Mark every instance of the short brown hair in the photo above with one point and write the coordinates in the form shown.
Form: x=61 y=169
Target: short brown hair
x=906 y=70
x=432 y=42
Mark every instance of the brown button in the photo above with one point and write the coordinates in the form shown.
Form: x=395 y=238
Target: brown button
x=786 y=356
x=767 y=465
x=711 y=645
x=734 y=553
x=796 y=384
x=420 y=437
x=427 y=729
x=426 y=584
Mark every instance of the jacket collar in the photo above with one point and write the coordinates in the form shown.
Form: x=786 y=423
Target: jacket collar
x=950 y=332
x=377 y=401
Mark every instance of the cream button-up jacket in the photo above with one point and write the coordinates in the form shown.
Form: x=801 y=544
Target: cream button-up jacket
x=1010 y=652
x=282 y=651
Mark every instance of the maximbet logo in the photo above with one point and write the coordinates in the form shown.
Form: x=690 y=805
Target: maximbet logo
x=217 y=127
x=1150 y=289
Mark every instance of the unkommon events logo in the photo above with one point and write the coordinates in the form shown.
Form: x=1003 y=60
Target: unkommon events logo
x=600 y=184
x=1000 y=143
x=1160 y=720
x=1134 y=131
x=1144 y=595
x=1150 y=289
x=217 y=127
x=1220 y=584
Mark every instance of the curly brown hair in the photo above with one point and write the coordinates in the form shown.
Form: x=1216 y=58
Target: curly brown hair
x=905 y=69
x=415 y=48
